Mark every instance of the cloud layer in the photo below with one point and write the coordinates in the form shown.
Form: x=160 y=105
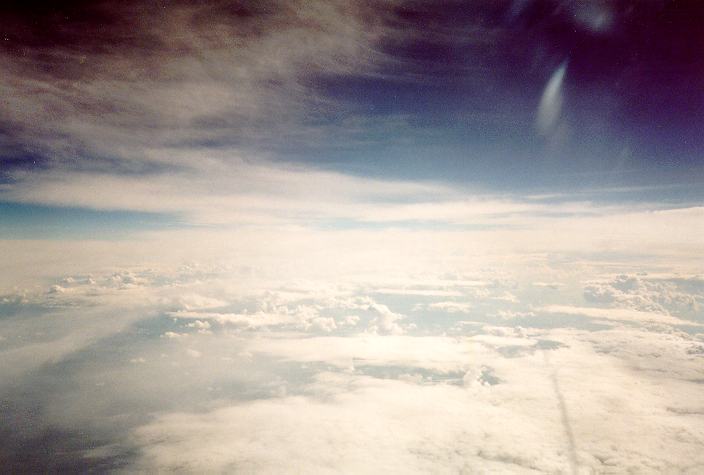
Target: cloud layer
x=231 y=368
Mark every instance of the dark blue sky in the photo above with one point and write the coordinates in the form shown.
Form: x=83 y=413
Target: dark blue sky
x=469 y=82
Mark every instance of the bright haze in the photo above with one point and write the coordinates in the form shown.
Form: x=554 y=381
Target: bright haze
x=352 y=236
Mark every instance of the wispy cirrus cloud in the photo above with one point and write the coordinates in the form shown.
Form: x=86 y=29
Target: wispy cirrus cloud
x=109 y=81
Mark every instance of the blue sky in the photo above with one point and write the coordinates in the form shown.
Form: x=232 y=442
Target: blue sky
x=37 y=221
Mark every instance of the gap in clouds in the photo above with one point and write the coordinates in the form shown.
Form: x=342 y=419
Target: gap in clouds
x=41 y=222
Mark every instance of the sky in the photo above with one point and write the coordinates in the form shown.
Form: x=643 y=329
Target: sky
x=352 y=236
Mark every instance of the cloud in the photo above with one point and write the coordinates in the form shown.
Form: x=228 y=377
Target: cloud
x=385 y=321
x=342 y=420
x=677 y=296
x=550 y=106
x=189 y=74
x=292 y=365
x=620 y=314
x=451 y=306
x=433 y=353
x=349 y=431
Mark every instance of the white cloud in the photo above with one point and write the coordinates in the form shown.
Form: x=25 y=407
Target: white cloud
x=679 y=296
x=550 y=106
x=451 y=306
x=376 y=426
x=580 y=407
x=619 y=314
x=273 y=325
x=193 y=353
x=173 y=335
x=385 y=322
x=433 y=353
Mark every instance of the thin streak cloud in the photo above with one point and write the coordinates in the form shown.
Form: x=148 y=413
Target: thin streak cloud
x=550 y=106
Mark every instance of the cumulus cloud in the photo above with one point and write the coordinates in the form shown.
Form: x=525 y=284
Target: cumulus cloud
x=385 y=321
x=667 y=295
